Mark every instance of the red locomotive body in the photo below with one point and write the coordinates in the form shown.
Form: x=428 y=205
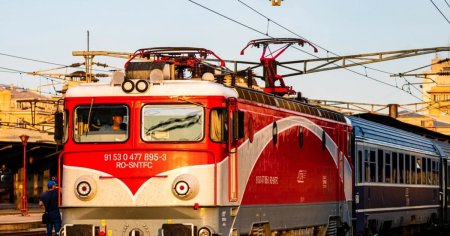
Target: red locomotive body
x=198 y=157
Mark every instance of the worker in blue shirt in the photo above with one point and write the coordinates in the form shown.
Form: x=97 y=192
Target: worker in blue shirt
x=49 y=199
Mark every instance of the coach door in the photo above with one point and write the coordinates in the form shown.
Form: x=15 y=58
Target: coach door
x=345 y=173
x=236 y=131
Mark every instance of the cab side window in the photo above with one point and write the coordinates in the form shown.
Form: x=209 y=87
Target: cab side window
x=218 y=125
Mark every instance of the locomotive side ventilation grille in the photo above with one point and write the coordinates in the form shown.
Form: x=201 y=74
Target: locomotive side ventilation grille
x=289 y=104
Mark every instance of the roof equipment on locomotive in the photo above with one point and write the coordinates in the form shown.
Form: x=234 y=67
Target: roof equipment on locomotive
x=168 y=63
x=269 y=62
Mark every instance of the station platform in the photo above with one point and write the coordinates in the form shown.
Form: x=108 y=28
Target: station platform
x=13 y=223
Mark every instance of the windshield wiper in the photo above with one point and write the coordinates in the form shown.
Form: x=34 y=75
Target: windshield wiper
x=89 y=116
x=193 y=119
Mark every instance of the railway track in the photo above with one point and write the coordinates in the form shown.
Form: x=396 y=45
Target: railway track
x=35 y=232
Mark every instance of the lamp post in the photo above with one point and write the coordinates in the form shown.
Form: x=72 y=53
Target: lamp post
x=24 y=210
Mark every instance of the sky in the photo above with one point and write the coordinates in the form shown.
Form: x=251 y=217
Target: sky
x=50 y=30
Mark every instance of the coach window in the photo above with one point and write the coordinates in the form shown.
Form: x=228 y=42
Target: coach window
x=413 y=170
x=380 y=165
x=366 y=166
x=172 y=123
x=429 y=172
x=401 y=165
x=448 y=171
x=387 y=168
x=418 y=169
x=407 y=169
x=100 y=123
x=218 y=125
x=373 y=166
x=395 y=172
x=435 y=170
x=360 y=166
x=425 y=172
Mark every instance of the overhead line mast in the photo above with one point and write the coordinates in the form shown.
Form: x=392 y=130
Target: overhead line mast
x=363 y=59
x=324 y=64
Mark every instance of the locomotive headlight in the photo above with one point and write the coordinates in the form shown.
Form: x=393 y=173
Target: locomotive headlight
x=204 y=231
x=181 y=188
x=127 y=86
x=85 y=188
x=185 y=187
x=141 y=86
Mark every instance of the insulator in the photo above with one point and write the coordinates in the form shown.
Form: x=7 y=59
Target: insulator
x=227 y=80
x=249 y=78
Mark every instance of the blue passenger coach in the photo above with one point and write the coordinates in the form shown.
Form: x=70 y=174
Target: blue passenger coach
x=445 y=177
x=396 y=178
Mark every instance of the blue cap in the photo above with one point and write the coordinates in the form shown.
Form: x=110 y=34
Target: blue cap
x=51 y=183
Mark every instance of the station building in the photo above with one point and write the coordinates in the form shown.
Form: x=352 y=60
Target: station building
x=435 y=114
x=24 y=112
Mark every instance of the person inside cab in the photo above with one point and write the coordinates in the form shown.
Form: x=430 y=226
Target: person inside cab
x=117 y=123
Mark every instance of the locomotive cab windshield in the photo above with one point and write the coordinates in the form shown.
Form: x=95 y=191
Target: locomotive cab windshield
x=101 y=123
x=168 y=123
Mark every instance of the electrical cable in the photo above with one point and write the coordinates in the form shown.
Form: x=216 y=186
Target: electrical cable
x=235 y=21
x=24 y=72
x=422 y=67
x=46 y=62
x=292 y=32
x=440 y=11
x=328 y=51
x=253 y=29
x=29 y=59
x=12 y=72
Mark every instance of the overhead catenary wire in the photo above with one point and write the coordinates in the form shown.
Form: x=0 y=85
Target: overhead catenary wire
x=24 y=72
x=29 y=59
x=328 y=51
x=13 y=70
x=260 y=32
x=448 y=21
x=422 y=67
x=47 y=62
x=53 y=79
x=294 y=33
x=28 y=73
x=220 y=14
x=5 y=71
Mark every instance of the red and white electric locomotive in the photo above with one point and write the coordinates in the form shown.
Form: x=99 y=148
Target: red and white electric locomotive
x=177 y=146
